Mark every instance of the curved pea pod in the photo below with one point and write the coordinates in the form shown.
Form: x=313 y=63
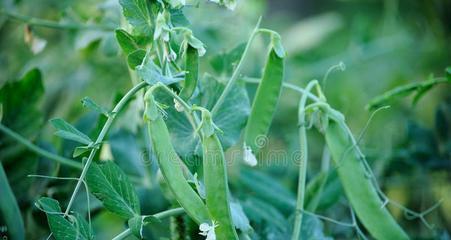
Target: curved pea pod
x=170 y=163
x=215 y=180
x=9 y=210
x=265 y=101
x=192 y=69
x=359 y=188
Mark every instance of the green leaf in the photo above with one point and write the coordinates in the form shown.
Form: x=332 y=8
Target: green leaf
x=259 y=211
x=108 y=183
x=136 y=58
x=83 y=149
x=20 y=102
x=224 y=63
x=178 y=18
x=9 y=209
x=62 y=228
x=89 y=103
x=152 y=74
x=126 y=41
x=137 y=223
x=137 y=13
x=420 y=88
x=230 y=118
x=67 y=131
x=259 y=183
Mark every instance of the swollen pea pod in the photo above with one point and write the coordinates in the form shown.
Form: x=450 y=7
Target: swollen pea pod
x=215 y=178
x=170 y=163
x=192 y=68
x=265 y=101
x=358 y=187
x=10 y=210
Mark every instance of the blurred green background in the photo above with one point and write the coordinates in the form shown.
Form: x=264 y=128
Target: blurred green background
x=383 y=44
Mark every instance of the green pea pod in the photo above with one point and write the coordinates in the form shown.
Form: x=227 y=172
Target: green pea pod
x=358 y=187
x=192 y=68
x=9 y=209
x=215 y=178
x=265 y=101
x=170 y=163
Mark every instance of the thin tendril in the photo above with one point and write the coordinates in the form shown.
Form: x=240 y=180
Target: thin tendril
x=340 y=66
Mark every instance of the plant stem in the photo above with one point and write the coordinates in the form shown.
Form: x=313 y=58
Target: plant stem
x=123 y=234
x=234 y=77
x=65 y=161
x=52 y=24
x=287 y=85
x=99 y=139
x=302 y=163
x=160 y=215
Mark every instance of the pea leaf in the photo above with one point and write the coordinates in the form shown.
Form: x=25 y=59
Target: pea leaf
x=67 y=131
x=108 y=183
x=20 y=101
x=152 y=74
x=224 y=63
x=259 y=183
x=230 y=118
x=89 y=103
x=137 y=13
x=136 y=58
x=178 y=18
x=62 y=228
x=126 y=41
x=259 y=211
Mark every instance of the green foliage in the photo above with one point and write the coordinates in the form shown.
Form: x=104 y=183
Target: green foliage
x=184 y=159
x=419 y=89
x=62 y=228
x=20 y=101
x=137 y=13
x=67 y=131
x=10 y=210
x=108 y=183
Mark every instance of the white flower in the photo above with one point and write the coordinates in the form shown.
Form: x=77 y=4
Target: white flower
x=249 y=157
x=208 y=230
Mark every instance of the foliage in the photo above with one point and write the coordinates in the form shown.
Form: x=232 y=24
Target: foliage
x=152 y=118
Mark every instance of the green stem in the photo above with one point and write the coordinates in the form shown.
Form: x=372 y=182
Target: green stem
x=161 y=215
x=302 y=163
x=288 y=86
x=52 y=24
x=65 y=161
x=99 y=139
x=234 y=77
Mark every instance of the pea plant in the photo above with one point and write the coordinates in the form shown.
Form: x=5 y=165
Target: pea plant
x=188 y=115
